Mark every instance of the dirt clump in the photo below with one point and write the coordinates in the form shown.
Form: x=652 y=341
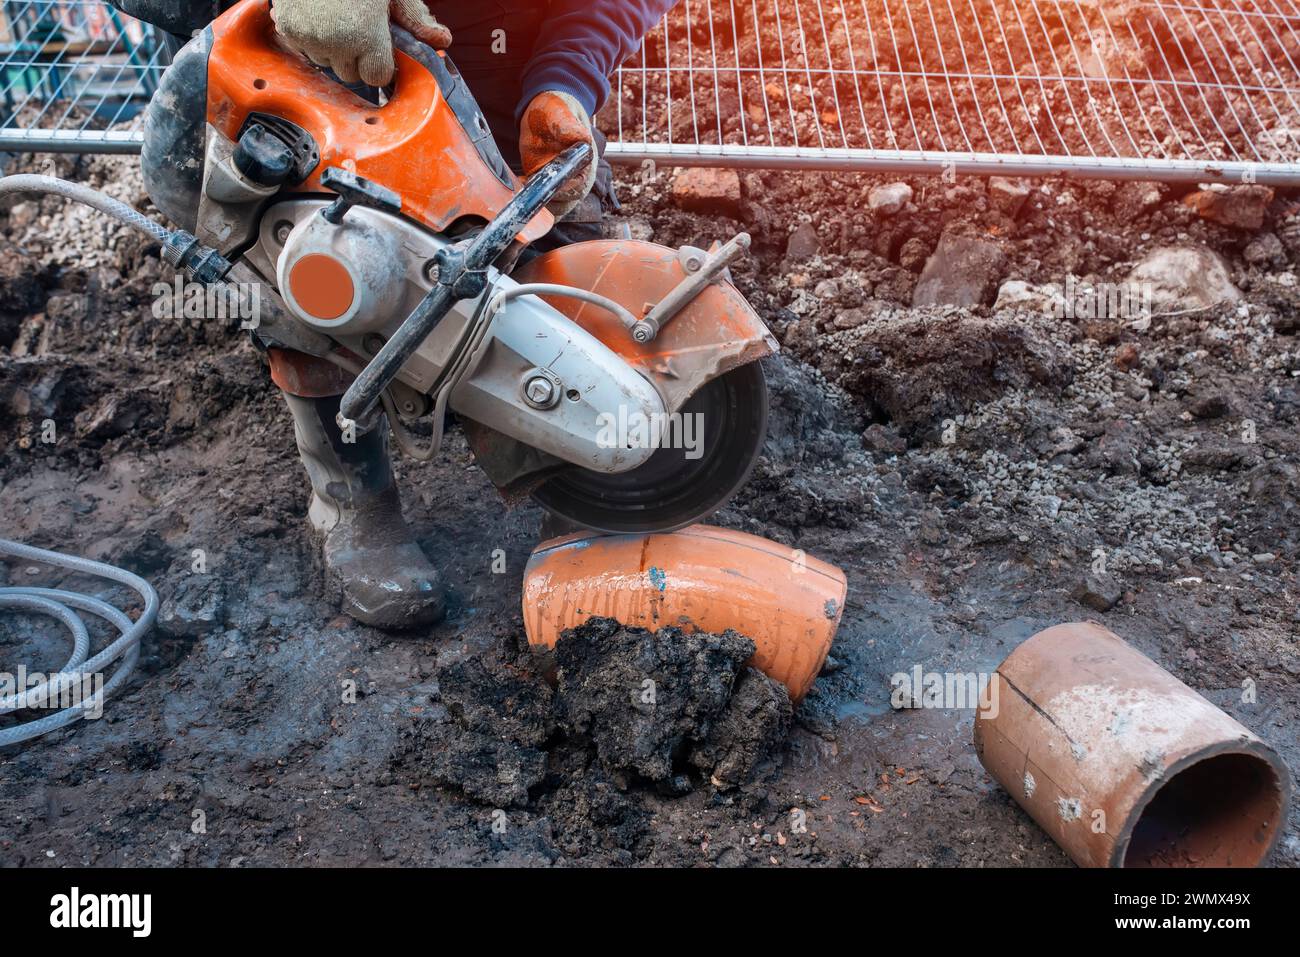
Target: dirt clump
x=916 y=367
x=632 y=713
x=650 y=702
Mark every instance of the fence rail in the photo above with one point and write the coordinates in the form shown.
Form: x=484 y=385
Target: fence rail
x=1138 y=89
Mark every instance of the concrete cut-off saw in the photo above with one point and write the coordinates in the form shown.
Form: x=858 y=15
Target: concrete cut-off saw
x=393 y=238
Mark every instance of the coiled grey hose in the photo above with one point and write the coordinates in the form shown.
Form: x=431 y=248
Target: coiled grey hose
x=52 y=185
x=59 y=603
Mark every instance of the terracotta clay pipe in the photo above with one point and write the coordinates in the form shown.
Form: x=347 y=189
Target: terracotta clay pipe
x=1123 y=764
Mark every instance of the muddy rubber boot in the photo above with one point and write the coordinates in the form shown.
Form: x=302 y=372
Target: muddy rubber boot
x=370 y=552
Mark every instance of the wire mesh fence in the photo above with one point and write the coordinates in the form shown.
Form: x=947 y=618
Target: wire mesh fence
x=1149 y=89
x=72 y=72
x=1171 y=89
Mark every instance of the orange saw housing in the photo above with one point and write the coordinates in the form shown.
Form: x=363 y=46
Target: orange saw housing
x=415 y=144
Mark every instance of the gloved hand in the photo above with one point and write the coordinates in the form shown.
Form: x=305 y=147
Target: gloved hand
x=551 y=123
x=351 y=36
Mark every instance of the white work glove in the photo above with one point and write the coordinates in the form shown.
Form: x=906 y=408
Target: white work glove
x=552 y=122
x=351 y=36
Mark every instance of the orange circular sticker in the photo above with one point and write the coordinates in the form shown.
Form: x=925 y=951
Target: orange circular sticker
x=321 y=286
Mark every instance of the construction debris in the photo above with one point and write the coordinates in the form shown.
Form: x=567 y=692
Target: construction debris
x=1183 y=278
x=889 y=200
x=711 y=579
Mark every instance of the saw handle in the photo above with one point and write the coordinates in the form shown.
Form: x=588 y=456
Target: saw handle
x=462 y=274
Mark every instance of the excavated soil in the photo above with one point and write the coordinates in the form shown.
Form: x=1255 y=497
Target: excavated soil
x=978 y=472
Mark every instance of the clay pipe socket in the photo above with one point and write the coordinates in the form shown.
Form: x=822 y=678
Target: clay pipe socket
x=1123 y=764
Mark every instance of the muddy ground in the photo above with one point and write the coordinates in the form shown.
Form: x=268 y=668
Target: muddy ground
x=971 y=468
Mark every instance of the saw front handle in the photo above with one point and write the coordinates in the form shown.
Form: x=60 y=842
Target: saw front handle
x=462 y=274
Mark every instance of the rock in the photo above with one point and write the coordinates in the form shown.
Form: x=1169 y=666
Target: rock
x=1116 y=449
x=881 y=438
x=1127 y=356
x=1265 y=250
x=1287 y=324
x=851 y=318
x=1275 y=482
x=1013 y=292
x=800 y=336
x=1289 y=234
x=803 y=243
x=1241 y=207
x=889 y=200
x=913 y=254
x=962 y=271
x=1217 y=454
x=1211 y=406
x=196 y=607
x=705 y=190
x=1016 y=293
x=1098 y=591
x=1102 y=57
x=1008 y=195
x=24 y=214
x=1182 y=278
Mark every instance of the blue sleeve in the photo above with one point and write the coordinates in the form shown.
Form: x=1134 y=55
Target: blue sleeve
x=582 y=42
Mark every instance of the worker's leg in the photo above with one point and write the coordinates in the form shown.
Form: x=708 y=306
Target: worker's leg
x=370 y=552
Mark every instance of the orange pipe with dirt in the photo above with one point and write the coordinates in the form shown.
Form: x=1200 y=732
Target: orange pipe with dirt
x=700 y=579
x=1123 y=764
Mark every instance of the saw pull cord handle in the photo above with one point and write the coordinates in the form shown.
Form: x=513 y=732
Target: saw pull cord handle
x=462 y=274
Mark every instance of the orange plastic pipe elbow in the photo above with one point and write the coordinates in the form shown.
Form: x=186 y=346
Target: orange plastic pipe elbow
x=700 y=579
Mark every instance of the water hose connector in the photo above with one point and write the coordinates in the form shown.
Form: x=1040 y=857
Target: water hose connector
x=201 y=263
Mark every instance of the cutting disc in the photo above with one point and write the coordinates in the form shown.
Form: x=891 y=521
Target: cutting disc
x=676 y=486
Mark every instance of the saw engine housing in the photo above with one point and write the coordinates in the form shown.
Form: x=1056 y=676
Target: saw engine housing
x=386 y=235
